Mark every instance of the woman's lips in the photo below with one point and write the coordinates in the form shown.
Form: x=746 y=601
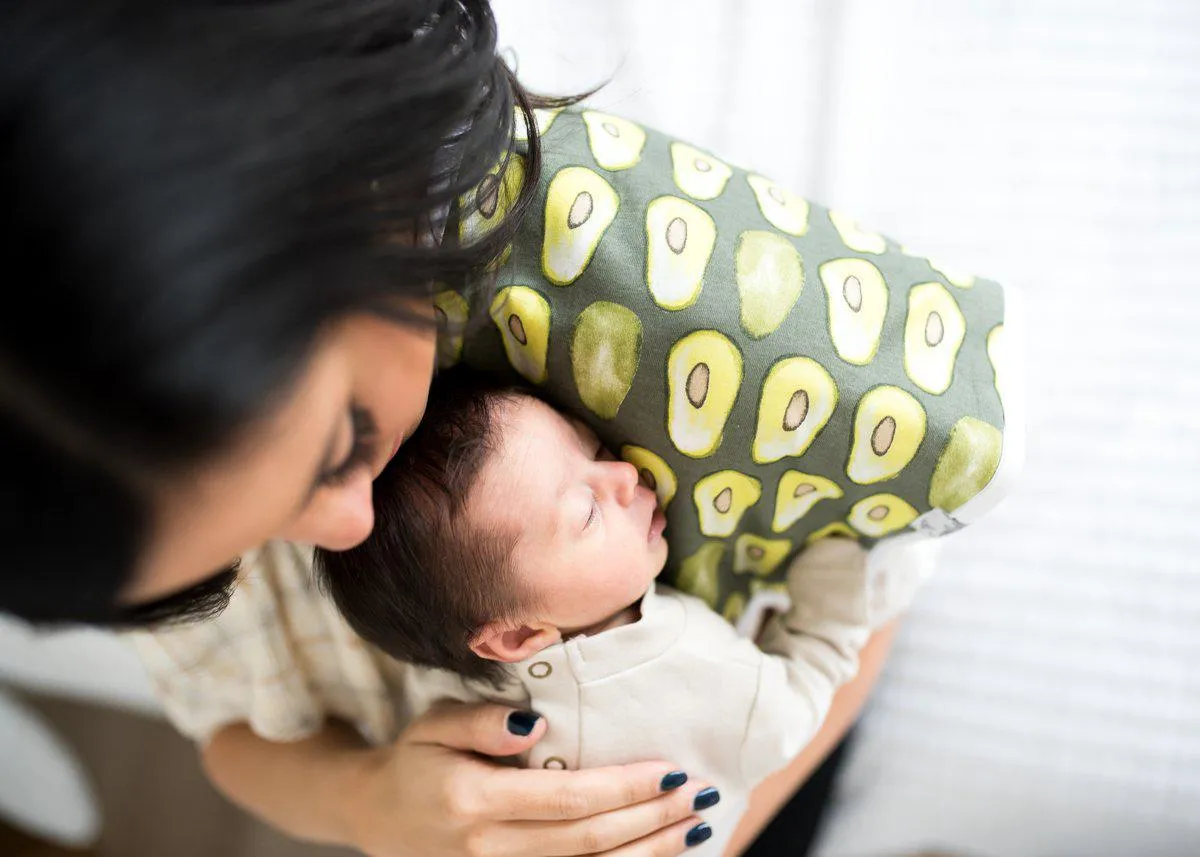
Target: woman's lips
x=379 y=468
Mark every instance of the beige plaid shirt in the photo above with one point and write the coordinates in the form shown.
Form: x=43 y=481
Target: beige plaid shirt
x=281 y=659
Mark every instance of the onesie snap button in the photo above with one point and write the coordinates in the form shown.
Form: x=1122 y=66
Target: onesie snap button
x=540 y=670
x=554 y=763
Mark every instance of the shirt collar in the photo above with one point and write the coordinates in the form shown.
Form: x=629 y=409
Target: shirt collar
x=621 y=648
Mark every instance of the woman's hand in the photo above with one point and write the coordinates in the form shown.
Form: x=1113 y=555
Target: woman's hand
x=433 y=794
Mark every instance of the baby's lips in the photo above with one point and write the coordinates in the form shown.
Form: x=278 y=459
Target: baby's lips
x=658 y=523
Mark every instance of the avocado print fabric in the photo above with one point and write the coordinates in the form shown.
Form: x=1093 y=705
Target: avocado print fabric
x=776 y=373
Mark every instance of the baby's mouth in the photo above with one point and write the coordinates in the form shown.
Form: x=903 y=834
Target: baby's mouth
x=658 y=523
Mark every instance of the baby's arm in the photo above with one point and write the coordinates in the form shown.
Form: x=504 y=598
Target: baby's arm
x=812 y=649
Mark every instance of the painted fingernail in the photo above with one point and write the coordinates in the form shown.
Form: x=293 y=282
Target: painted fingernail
x=706 y=798
x=699 y=833
x=522 y=722
x=673 y=780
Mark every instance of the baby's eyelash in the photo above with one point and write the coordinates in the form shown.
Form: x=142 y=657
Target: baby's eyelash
x=592 y=513
x=362 y=449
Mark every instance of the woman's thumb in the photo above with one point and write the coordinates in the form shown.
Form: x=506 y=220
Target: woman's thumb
x=492 y=730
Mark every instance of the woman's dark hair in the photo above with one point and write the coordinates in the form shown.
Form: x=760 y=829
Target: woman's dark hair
x=189 y=192
x=428 y=578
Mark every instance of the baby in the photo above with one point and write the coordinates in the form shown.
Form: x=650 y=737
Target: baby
x=514 y=555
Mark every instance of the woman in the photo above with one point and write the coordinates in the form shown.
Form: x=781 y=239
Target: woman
x=217 y=222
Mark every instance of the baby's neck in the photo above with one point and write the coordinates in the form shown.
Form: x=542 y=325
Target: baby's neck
x=625 y=616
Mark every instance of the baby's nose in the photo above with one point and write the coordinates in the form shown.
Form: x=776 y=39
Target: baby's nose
x=625 y=481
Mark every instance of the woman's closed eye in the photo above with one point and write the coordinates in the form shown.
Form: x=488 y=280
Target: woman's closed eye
x=362 y=449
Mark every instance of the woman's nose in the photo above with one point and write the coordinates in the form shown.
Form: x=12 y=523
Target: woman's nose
x=342 y=518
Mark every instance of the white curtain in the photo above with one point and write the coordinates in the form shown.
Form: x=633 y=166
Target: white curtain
x=1044 y=696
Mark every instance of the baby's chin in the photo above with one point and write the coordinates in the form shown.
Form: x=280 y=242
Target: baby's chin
x=656 y=567
x=660 y=550
x=652 y=570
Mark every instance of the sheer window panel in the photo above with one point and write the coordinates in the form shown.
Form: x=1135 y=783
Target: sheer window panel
x=747 y=81
x=1044 y=696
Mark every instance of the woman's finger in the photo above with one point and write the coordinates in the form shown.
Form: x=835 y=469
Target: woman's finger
x=599 y=833
x=655 y=827
x=524 y=795
x=669 y=842
x=491 y=730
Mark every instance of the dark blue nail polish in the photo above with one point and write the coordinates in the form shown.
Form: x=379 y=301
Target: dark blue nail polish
x=706 y=798
x=699 y=833
x=522 y=722
x=673 y=780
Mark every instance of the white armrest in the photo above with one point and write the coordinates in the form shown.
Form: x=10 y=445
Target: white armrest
x=78 y=663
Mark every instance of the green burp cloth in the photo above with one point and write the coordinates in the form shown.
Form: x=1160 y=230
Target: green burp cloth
x=776 y=373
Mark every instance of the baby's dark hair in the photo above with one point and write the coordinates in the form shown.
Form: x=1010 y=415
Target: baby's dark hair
x=427 y=579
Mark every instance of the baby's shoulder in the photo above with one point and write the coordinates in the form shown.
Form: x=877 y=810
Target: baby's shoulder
x=708 y=636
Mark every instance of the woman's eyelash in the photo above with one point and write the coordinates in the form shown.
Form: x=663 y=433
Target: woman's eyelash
x=361 y=450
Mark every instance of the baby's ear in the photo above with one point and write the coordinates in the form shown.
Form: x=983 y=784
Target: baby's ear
x=504 y=642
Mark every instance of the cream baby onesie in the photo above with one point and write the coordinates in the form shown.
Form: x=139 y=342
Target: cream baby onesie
x=681 y=684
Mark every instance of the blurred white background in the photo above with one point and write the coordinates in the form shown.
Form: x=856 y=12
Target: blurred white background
x=1044 y=696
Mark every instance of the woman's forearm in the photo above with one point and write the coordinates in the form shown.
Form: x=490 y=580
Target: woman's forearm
x=297 y=787
x=767 y=799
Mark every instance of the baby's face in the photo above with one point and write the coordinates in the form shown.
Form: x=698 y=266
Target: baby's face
x=590 y=533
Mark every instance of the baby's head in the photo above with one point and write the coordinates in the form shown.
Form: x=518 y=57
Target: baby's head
x=501 y=527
